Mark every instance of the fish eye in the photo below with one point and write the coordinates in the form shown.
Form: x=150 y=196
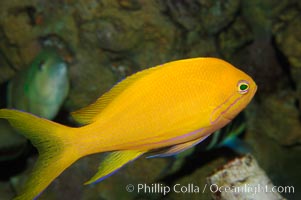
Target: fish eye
x=243 y=87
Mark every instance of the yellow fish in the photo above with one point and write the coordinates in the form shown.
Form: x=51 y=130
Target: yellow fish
x=172 y=106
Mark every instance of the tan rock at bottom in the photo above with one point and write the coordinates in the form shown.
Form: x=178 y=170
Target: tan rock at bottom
x=242 y=178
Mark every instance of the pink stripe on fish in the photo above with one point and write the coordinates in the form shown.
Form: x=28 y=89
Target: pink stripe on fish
x=225 y=111
x=168 y=140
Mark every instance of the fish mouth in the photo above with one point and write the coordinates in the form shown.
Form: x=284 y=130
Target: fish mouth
x=253 y=91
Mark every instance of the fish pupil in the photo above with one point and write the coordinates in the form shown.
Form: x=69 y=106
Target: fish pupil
x=243 y=87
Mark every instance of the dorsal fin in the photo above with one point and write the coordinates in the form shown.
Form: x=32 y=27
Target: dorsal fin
x=88 y=114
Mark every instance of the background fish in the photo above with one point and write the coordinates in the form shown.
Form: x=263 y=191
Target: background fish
x=228 y=136
x=42 y=87
x=173 y=106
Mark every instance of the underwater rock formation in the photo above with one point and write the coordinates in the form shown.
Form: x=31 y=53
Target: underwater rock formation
x=287 y=35
x=234 y=37
x=242 y=178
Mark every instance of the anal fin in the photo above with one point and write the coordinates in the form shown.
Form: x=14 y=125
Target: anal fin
x=113 y=162
x=179 y=148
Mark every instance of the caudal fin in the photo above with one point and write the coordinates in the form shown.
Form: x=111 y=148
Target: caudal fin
x=55 y=149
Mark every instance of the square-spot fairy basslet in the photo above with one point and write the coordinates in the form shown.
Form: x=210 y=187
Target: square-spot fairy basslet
x=175 y=105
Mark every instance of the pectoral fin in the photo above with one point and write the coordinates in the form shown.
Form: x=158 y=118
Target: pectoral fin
x=179 y=148
x=112 y=163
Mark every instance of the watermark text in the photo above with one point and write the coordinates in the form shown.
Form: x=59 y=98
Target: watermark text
x=160 y=188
